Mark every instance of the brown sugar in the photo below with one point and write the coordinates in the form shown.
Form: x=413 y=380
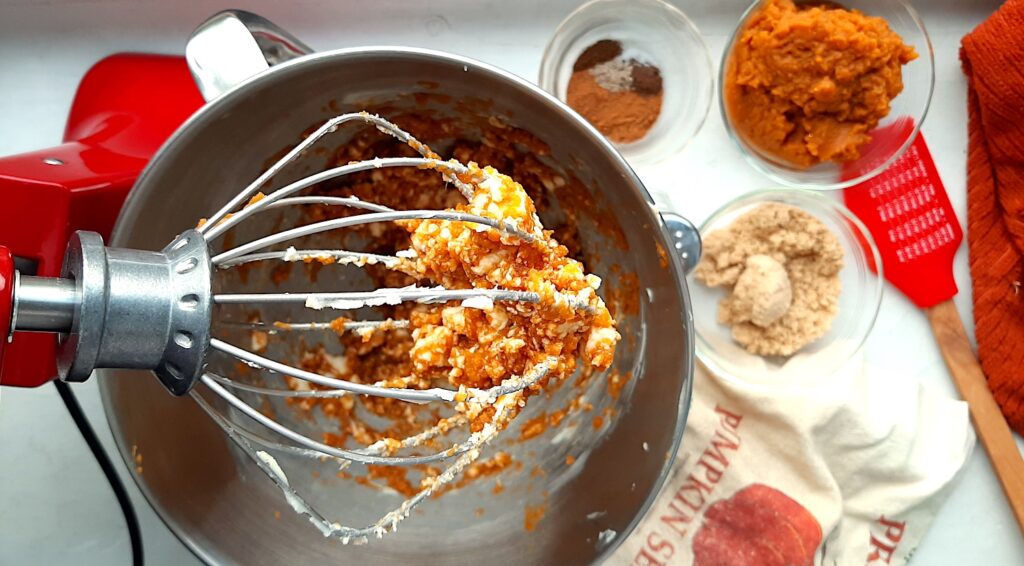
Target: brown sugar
x=812 y=257
x=807 y=84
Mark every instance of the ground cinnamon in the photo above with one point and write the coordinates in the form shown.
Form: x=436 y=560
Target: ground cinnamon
x=621 y=98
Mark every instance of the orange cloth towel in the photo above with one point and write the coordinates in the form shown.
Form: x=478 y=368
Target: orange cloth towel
x=993 y=60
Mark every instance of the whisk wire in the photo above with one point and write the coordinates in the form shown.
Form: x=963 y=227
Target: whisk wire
x=369 y=218
x=332 y=256
x=214 y=227
x=354 y=455
x=220 y=222
x=408 y=395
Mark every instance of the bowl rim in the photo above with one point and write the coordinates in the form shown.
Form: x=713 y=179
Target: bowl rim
x=819 y=202
x=758 y=162
x=552 y=58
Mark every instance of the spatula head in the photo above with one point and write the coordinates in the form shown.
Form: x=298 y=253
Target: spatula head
x=908 y=213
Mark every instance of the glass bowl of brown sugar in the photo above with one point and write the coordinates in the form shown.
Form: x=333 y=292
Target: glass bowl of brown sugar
x=637 y=70
x=830 y=299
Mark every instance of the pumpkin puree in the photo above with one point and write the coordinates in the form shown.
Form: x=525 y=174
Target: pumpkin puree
x=806 y=84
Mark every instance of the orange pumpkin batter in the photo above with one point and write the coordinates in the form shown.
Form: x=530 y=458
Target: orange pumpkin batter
x=806 y=84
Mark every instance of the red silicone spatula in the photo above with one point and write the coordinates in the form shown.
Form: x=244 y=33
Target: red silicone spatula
x=908 y=213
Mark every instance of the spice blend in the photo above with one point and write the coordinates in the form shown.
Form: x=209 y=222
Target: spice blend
x=621 y=97
x=782 y=266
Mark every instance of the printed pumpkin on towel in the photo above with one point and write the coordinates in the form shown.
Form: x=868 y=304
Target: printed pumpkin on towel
x=757 y=526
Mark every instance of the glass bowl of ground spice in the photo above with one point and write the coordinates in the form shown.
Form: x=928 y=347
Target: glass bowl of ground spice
x=825 y=95
x=637 y=70
x=788 y=287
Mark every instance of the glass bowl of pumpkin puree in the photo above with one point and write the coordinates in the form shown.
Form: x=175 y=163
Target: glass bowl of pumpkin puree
x=823 y=95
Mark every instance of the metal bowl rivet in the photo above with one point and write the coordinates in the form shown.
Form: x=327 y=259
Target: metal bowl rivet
x=53 y=161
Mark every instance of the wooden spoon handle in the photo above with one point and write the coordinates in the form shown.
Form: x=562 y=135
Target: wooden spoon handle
x=995 y=435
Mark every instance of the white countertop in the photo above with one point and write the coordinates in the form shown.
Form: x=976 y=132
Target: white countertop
x=55 y=506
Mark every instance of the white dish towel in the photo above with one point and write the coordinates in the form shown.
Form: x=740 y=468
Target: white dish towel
x=844 y=469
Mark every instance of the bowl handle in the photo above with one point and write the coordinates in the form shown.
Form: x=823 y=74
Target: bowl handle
x=685 y=239
x=682 y=233
x=235 y=45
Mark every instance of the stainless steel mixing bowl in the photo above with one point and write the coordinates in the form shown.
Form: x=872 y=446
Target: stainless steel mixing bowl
x=219 y=503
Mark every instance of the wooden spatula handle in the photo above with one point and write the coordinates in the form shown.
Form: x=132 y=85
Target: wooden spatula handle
x=988 y=420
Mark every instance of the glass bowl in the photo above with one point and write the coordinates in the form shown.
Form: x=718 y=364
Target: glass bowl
x=890 y=138
x=859 y=300
x=657 y=32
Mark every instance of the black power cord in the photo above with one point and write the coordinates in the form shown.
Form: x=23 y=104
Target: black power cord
x=77 y=415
